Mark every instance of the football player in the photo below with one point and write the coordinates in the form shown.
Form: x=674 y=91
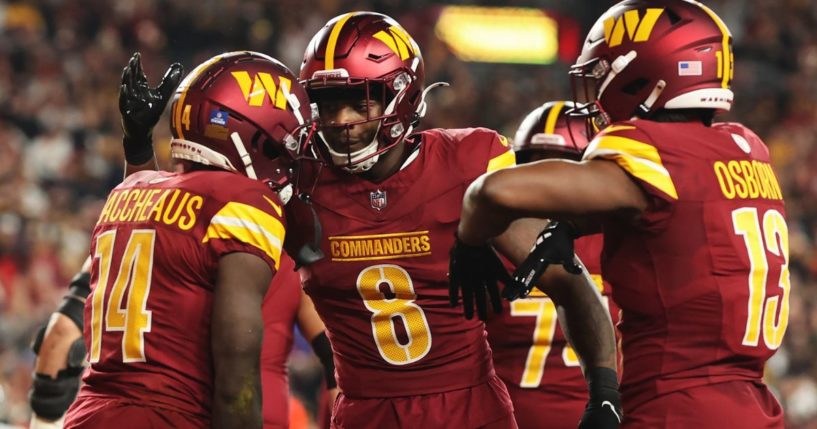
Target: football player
x=285 y=304
x=695 y=237
x=59 y=345
x=389 y=204
x=531 y=354
x=182 y=261
x=61 y=350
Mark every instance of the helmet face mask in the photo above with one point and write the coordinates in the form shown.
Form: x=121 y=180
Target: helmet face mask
x=243 y=112
x=644 y=56
x=585 y=80
x=354 y=144
x=371 y=56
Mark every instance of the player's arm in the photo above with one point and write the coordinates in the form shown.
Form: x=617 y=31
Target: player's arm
x=553 y=189
x=141 y=107
x=312 y=328
x=60 y=353
x=582 y=315
x=237 y=330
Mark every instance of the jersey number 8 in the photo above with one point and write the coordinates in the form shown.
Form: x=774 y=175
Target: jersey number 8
x=397 y=307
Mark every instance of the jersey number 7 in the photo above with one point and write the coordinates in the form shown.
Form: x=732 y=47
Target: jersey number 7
x=544 y=310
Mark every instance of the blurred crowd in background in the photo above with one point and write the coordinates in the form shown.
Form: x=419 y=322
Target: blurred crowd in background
x=60 y=138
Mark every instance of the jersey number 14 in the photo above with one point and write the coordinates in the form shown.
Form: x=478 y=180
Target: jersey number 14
x=135 y=268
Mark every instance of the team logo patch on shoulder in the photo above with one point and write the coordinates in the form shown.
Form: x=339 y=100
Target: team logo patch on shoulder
x=219 y=117
x=378 y=199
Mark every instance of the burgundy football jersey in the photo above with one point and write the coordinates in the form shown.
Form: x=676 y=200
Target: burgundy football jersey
x=530 y=349
x=155 y=253
x=382 y=289
x=280 y=311
x=702 y=277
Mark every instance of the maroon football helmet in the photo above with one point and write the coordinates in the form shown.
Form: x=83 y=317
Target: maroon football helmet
x=243 y=112
x=370 y=53
x=548 y=132
x=646 y=55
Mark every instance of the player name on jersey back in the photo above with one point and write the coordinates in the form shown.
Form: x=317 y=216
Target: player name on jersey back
x=747 y=179
x=173 y=207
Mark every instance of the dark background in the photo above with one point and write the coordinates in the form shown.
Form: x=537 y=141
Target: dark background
x=60 y=153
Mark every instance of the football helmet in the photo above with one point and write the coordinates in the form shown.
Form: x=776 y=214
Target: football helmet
x=372 y=54
x=548 y=130
x=645 y=55
x=243 y=112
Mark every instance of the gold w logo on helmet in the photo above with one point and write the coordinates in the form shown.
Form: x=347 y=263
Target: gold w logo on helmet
x=638 y=29
x=398 y=40
x=255 y=89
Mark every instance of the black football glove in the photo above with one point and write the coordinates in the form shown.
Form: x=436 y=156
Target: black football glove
x=141 y=107
x=475 y=270
x=603 y=409
x=554 y=245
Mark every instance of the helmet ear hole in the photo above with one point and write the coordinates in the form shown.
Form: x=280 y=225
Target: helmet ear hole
x=255 y=141
x=673 y=17
x=269 y=149
x=634 y=86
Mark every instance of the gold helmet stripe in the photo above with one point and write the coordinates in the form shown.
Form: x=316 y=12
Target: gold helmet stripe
x=333 y=40
x=725 y=61
x=553 y=116
x=184 y=86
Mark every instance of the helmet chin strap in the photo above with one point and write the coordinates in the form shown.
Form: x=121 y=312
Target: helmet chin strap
x=349 y=162
x=245 y=156
x=357 y=161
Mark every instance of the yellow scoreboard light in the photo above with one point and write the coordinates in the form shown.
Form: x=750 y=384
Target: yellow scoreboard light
x=499 y=34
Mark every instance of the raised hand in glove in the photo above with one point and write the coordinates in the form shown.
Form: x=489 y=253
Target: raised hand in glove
x=141 y=107
x=475 y=270
x=603 y=409
x=554 y=245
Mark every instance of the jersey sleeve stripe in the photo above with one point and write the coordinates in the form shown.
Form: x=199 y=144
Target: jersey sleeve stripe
x=639 y=159
x=614 y=128
x=247 y=224
x=506 y=159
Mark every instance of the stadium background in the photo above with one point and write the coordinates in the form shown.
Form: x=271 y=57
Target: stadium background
x=60 y=153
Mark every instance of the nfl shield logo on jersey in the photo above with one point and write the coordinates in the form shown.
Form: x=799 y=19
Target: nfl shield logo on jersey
x=378 y=199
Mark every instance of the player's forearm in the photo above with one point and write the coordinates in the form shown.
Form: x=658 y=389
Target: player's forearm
x=59 y=336
x=483 y=216
x=497 y=199
x=551 y=189
x=236 y=345
x=585 y=321
x=237 y=330
x=237 y=396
